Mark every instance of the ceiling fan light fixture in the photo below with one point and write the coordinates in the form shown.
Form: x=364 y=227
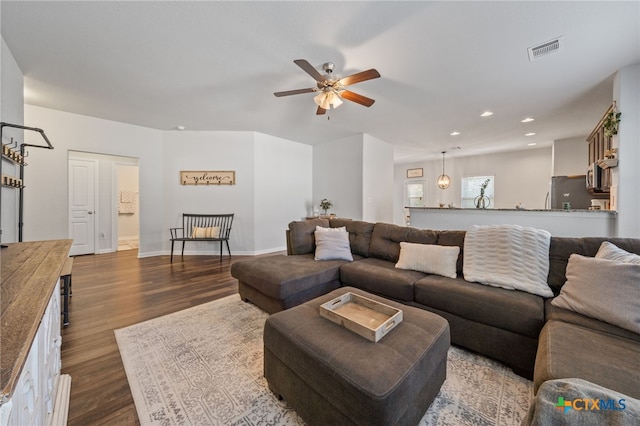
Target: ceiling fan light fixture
x=328 y=99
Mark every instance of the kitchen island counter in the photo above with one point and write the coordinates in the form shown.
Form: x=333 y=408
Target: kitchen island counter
x=560 y=223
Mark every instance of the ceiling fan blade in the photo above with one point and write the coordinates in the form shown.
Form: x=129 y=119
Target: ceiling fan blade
x=354 y=97
x=320 y=111
x=293 y=92
x=309 y=69
x=358 y=77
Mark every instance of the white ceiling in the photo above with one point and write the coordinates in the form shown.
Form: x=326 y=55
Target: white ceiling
x=210 y=65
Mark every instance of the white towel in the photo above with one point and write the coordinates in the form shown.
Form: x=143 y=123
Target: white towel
x=128 y=202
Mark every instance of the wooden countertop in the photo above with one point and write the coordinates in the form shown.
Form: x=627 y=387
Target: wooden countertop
x=28 y=276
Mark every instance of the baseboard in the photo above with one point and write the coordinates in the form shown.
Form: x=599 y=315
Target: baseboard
x=61 y=407
x=153 y=254
x=176 y=252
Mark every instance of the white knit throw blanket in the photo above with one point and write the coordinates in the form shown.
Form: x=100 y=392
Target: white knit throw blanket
x=508 y=256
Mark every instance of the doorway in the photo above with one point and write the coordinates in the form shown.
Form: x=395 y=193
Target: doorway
x=415 y=195
x=102 y=189
x=128 y=223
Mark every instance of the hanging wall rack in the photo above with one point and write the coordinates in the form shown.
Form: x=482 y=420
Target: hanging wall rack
x=10 y=154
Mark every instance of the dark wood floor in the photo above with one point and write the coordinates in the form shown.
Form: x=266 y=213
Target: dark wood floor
x=112 y=291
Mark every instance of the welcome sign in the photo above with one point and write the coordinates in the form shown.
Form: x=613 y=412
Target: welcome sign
x=208 y=178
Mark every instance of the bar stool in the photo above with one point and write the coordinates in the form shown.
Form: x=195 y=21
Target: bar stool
x=65 y=281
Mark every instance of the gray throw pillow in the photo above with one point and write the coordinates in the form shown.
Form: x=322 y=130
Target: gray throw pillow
x=602 y=289
x=332 y=244
x=610 y=251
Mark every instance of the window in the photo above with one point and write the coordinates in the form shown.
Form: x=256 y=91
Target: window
x=414 y=193
x=471 y=189
x=414 y=196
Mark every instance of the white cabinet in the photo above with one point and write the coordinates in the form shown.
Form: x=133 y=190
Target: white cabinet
x=32 y=390
x=34 y=396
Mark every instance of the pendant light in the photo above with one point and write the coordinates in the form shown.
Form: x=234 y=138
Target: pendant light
x=443 y=179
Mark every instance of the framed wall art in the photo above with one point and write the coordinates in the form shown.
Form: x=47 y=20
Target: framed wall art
x=208 y=178
x=414 y=173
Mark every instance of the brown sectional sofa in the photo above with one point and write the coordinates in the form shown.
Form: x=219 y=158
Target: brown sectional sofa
x=517 y=328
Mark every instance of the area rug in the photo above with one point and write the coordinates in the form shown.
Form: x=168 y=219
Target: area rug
x=203 y=366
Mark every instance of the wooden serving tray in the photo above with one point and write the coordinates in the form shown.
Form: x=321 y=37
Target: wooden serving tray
x=366 y=317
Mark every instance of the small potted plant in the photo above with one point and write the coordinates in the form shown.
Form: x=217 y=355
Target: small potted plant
x=610 y=123
x=325 y=205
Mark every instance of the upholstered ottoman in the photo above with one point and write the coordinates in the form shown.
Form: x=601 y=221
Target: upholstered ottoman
x=331 y=375
x=275 y=283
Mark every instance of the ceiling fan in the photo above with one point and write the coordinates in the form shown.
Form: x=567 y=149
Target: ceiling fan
x=332 y=91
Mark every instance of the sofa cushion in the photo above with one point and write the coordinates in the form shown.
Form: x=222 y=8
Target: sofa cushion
x=611 y=251
x=386 y=238
x=568 y=350
x=621 y=410
x=301 y=235
x=512 y=310
x=359 y=234
x=282 y=276
x=428 y=258
x=453 y=238
x=602 y=289
x=562 y=247
x=552 y=313
x=380 y=277
x=332 y=244
x=508 y=256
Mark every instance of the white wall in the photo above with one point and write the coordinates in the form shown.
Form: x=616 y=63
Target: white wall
x=626 y=92
x=11 y=111
x=161 y=156
x=520 y=177
x=570 y=156
x=337 y=176
x=283 y=186
x=46 y=202
x=273 y=185
x=377 y=180
x=189 y=150
x=356 y=175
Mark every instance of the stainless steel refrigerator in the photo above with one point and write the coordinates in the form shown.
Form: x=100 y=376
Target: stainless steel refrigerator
x=570 y=189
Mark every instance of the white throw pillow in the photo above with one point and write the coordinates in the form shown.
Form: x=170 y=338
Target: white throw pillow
x=332 y=244
x=208 y=232
x=602 y=289
x=610 y=251
x=508 y=256
x=429 y=258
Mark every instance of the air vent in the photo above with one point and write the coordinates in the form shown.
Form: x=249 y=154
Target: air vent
x=545 y=49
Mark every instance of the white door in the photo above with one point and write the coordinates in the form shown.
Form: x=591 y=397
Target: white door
x=82 y=218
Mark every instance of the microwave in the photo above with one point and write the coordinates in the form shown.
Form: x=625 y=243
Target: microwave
x=594 y=177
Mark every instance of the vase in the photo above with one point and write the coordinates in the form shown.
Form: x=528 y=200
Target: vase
x=482 y=202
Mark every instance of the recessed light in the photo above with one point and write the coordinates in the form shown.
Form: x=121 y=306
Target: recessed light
x=486 y=114
x=180 y=127
x=532 y=144
x=527 y=120
x=529 y=134
x=454 y=133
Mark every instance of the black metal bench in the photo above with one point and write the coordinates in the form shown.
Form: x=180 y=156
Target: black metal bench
x=203 y=227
